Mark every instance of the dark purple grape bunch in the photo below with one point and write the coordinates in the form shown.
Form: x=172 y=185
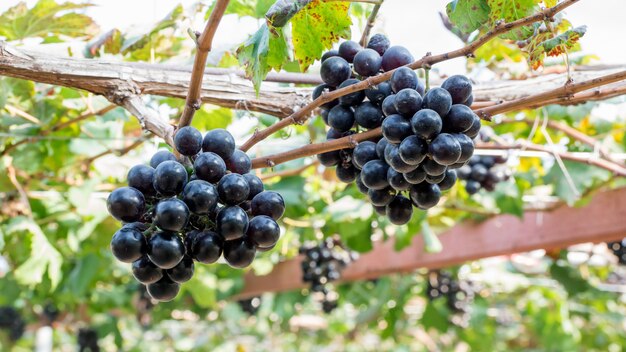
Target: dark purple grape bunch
x=177 y=212
x=12 y=322
x=618 y=248
x=323 y=264
x=250 y=305
x=426 y=135
x=458 y=294
x=483 y=171
x=87 y=340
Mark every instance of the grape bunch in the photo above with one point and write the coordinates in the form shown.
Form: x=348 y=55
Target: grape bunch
x=458 y=294
x=426 y=134
x=483 y=172
x=250 y=305
x=197 y=209
x=12 y=322
x=88 y=340
x=619 y=250
x=322 y=264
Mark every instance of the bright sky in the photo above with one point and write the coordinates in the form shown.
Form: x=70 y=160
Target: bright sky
x=414 y=24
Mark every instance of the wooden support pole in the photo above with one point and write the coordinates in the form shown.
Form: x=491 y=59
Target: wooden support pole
x=600 y=220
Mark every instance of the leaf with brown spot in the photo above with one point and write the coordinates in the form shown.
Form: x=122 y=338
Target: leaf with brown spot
x=512 y=10
x=468 y=15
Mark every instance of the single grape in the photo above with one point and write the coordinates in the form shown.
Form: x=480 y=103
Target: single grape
x=207 y=247
x=351 y=99
x=408 y=102
x=329 y=54
x=376 y=94
x=379 y=42
x=231 y=222
x=397 y=181
x=433 y=168
x=464 y=172
x=472 y=187
x=329 y=159
x=381 y=197
x=469 y=101
x=209 y=167
x=381 y=145
x=368 y=115
x=374 y=174
x=382 y=211
x=263 y=231
x=265 y=249
x=389 y=105
x=322 y=88
x=126 y=204
x=163 y=290
x=220 y=142
x=403 y=78
x=171 y=214
x=129 y=244
x=413 y=150
x=467 y=147
x=425 y=195
x=346 y=173
x=459 y=119
x=341 y=118
x=399 y=210
x=335 y=70
x=239 y=253
x=183 y=271
x=445 y=149
x=161 y=156
x=435 y=179
x=473 y=131
x=364 y=152
x=190 y=236
x=170 y=177
x=395 y=161
x=439 y=100
x=145 y=271
x=200 y=196
x=165 y=249
x=268 y=203
x=239 y=162
x=426 y=124
x=416 y=176
x=459 y=87
x=395 y=57
x=333 y=134
x=188 y=141
x=396 y=128
x=349 y=49
x=359 y=184
x=255 y=184
x=141 y=178
x=367 y=62
x=479 y=172
x=233 y=189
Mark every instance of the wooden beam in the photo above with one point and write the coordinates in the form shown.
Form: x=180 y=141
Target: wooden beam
x=599 y=221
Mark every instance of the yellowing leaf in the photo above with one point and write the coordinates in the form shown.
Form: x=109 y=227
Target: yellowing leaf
x=512 y=10
x=317 y=27
x=468 y=15
x=544 y=44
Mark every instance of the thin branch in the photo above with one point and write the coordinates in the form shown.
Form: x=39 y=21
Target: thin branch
x=19 y=188
x=350 y=141
x=301 y=115
x=370 y=24
x=193 y=102
x=21 y=113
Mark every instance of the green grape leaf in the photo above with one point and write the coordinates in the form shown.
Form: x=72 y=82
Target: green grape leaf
x=202 y=289
x=46 y=18
x=83 y=274
x=512 y=10
x=317 y=27
x=209 y=117
x=570 y=278
x=435 y=316
x=44 y=258
x=509 y=198
x=283 y=10
x=468 y=15
x=263 y=51
x=583 y=176
x=139 y=41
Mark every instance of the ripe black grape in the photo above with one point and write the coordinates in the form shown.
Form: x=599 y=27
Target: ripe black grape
x=445 y=149
x=379 y=42
x=368 y=115
x=360 y=186
x=341 y=118
x=233 y=189
x=381 y=197
x=439 y=100
x=395 y=57
x=399 y=210
x=381 y=145
x=376 y=94
x=129 y=244
x=407 y=102
x=374 y=174
x=165 y=249
x=425 y=195
x=239 y=253
x=448 y=181
x=396 y=128
x=367 y=62
x=329 y=159
x=395 y=161
x=254 y=184
x=426 y=124
x=459 y=119
x=239 y=162
x=459 y=87
x=329 y=54
x=349 y=49
x=433 y=168
x=433 y=180
x=467 y=147
x=141 y=177
x=263 y=231
x=200 y=196
x=413 y=150
x=171 y=214
x=335 y=70
x=268 y=203
x=351 y=99
x=170 y=178
x=232 y=222
x=126 y=204
x=346 y=173
x=389 y=105
x=364 y=152
x=183 y=271
x=220 y=142
x=416 y=176
x=403 y=78
x=209 y=167
x=472 y=187
x=188 y=141
x=475 y=128
x=397 y=181
x=163 y=290
x=145 y=271
x=161 y=156
x=317 y=92
x=207 y=247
